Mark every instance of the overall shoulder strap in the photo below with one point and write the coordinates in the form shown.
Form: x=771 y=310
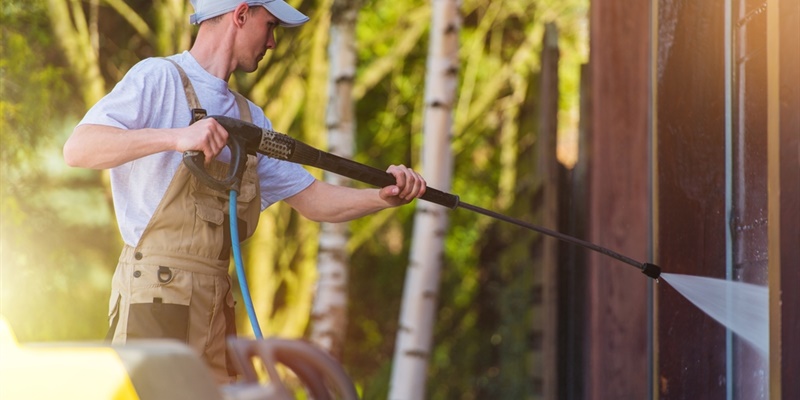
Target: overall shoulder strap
x=198 y=112
x=244 y=107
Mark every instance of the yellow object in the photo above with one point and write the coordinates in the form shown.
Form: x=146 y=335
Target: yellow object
x=7 y=338
x=151 y=370
x=46 y=372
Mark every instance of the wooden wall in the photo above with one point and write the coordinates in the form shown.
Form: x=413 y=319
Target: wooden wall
x=785 y=195
x=616 y=357
x=662 y=73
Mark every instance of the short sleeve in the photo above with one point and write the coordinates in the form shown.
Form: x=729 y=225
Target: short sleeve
x=146 y=94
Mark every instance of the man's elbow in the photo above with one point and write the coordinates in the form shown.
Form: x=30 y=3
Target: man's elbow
x=315 y=216
x=70 y=158
x=72 y=154
x=81 y=150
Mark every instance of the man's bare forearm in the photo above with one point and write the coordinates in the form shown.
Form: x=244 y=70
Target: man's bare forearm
x=323 y=202
x=101 y=146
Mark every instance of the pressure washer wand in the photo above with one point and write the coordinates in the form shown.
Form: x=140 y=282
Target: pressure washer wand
x=648 y=269
x=279 y=146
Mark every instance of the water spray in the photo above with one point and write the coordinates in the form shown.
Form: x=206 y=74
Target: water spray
x=245 y=138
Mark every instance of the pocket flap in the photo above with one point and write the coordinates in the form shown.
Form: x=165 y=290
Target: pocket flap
x=247 y=193
x=210 y=214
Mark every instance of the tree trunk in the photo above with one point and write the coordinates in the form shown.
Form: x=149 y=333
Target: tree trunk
x=74 y=34
x=417 y=313
x=329 y=312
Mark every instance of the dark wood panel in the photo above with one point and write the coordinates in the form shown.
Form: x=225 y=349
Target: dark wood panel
x=790 y=197
x=691 y=193
x=617 y=353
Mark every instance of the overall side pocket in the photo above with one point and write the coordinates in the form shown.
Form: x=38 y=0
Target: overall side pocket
x=160 y=303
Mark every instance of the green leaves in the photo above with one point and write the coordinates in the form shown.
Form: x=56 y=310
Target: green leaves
x=58 y=235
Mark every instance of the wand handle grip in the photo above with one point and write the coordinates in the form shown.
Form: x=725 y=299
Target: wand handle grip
x=308 y=155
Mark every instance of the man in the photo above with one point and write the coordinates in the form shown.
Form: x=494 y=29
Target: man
x=172 y=280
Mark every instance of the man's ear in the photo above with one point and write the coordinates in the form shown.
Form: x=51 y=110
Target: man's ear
x=240 y=14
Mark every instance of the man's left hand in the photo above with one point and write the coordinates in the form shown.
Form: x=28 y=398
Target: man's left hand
x=410 y=185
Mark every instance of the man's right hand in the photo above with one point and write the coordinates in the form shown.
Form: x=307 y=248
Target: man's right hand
x=206 y=135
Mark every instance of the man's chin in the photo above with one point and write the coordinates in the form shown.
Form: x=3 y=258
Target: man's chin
x=248 y=68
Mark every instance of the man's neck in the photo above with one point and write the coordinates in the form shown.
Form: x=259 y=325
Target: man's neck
x=213 y=51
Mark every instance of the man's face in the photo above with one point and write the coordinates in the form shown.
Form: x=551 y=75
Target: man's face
x=259 y=36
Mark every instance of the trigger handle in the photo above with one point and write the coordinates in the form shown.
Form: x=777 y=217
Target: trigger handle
x=195 y=161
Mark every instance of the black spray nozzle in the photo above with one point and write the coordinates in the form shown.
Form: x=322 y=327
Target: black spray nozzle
x=651 y=270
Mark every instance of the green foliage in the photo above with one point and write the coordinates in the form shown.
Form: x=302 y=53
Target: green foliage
x=59 y=241
x=32 y=88
x=500 y=56
x=54 y=231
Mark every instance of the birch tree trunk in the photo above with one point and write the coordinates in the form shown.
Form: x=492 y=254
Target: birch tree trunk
x=418 y=308
x=329 y=311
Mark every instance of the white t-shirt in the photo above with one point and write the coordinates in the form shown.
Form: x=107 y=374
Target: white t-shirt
x=151 y=95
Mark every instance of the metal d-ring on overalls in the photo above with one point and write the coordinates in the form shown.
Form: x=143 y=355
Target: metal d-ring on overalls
x=175 y=282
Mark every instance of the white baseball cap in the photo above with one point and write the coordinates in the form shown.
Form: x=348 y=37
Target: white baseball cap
x=286 y=14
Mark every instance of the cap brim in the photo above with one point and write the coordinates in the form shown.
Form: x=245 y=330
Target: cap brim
x=287 y=14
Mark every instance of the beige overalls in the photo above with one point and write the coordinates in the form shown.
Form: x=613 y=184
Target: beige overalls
x=175 y=282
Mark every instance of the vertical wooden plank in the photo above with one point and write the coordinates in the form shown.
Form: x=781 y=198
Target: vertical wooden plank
x=691 y=200
x=549 y=167
x=747 y=182
x=654 y=368
x=784 y=196
x=790 y=195
x=572 y=258
x=617 y=294
x=774 y=200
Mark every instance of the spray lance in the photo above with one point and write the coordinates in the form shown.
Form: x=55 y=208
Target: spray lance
x=245 y=138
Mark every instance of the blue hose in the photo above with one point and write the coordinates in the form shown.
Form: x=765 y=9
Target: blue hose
x=237 y=259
